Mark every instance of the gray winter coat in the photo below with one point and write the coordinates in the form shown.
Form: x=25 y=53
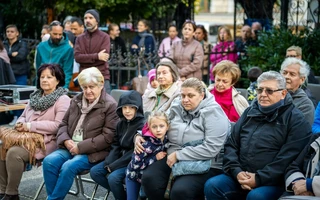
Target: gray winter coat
x=207 y=122
x=304 y=104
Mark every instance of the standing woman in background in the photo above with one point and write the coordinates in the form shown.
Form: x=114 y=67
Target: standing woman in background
x=188 y=53
x=224 y=49
x=117 y=43
x=201 y=35
x=17 y=51
x=143 y=39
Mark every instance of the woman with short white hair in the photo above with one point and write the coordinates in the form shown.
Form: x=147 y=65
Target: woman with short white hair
x=84 y=136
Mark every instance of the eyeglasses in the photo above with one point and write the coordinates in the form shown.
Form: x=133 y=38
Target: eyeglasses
x=200 y=26
x=291 y=56
x=55 y=23
x=190 y=21
x=268 y=91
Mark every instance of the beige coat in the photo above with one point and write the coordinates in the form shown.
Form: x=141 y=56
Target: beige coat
x=188 y=57
x=150 y=98
x=240 y=103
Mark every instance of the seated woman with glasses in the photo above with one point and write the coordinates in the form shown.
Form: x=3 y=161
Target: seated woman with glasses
x=84 y=137
x=226 y=74
x=188 y=53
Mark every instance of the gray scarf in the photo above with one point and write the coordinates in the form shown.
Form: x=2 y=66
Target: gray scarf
x=40 y=102
x=143 y=36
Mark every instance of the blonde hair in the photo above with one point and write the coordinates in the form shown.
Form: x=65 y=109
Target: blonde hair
x=228 y=33
x=297 y=49
x=159 y=115
x=194 y=83
x=227 y=66
x=91 y=75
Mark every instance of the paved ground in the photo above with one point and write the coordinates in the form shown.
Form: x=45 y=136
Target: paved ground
x=32 y=179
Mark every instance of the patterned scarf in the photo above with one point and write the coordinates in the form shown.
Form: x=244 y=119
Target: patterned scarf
x=159 y=92
x=40 y=102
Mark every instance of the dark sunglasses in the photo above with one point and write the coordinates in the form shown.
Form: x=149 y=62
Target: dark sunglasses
x=291 y=56
x=268 y=91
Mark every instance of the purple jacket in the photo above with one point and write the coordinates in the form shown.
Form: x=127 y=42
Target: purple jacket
x=46 y=123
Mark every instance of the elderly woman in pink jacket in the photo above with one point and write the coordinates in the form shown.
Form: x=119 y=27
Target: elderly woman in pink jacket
x=224 y=49
x=188 y=53
x=42 y=115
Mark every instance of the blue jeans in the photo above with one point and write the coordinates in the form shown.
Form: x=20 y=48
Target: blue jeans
x=59 y=170
x=225 y=187
x=113 y=182
x=133 y=188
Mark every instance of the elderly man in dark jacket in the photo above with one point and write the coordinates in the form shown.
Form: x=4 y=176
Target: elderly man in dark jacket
x=266 y=139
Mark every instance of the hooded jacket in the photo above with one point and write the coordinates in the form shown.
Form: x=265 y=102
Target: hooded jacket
x=266 y=144
x=62 y=54
x=207 y=122
x=122 y=147
x=19 y=63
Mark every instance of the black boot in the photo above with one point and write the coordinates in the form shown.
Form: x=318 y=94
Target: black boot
x=10 y=197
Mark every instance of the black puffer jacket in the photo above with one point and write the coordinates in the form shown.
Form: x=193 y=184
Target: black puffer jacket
x=122 y=147
x=20 y=64
x=266 y=144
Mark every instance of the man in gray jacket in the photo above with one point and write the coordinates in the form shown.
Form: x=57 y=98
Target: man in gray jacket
x=296 y=72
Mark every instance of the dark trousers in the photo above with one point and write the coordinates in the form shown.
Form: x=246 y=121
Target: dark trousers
x=155 y=179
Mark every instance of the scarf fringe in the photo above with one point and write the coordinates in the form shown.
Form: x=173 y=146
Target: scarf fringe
x=30 y=141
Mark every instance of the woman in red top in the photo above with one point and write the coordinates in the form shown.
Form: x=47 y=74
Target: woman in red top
x=227 y=74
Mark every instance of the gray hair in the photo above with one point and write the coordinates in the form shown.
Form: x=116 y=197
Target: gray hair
x=91 y=75
x=304 y=67
x=273 y=75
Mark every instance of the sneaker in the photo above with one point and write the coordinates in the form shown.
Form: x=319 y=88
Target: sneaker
x=14 y=121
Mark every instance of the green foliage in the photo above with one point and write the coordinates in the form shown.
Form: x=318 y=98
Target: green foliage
x=272 y=49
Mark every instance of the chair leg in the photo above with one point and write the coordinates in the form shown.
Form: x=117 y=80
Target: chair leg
x=94 y=191
x=72 y=192
x=81 y=187
x=39 y=191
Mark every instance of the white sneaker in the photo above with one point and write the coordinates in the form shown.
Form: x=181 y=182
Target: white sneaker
x=13 y=122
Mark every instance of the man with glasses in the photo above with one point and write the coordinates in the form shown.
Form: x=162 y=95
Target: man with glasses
x=56 y=50
x=296 y=52
x=296 y=72
x=269 y=135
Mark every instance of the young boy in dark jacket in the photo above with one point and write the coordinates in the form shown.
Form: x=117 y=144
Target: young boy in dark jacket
x=130 y=111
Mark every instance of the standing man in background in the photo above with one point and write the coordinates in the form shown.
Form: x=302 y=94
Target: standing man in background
x=18 y=52
x=93 y=47
x=56 y=50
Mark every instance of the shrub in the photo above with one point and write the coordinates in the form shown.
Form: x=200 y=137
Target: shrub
x=272 y=49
